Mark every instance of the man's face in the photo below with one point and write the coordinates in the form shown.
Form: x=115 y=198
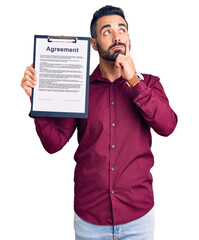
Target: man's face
x=112 y=36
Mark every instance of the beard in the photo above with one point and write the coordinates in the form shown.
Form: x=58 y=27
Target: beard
x=107 y=55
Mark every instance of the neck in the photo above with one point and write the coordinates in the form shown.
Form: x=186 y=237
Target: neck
x=108 y=70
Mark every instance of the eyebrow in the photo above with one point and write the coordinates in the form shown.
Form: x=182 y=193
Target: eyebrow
x=122 y=24
x=108 y=25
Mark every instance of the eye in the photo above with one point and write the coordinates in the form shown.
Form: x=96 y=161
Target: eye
x=122 y=30
x=107 y=32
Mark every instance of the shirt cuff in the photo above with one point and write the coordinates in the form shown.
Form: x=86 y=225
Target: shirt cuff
x=139 y=87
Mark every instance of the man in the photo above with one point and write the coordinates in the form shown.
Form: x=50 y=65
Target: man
x=113 y=183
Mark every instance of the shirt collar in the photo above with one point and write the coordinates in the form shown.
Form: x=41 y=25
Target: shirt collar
x=97 y=76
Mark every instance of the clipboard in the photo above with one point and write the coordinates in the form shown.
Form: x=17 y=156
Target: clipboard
x=62 y=64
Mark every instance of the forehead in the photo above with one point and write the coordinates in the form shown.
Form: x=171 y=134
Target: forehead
x=112 y=20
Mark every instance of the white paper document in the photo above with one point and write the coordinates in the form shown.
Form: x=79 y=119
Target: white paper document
x=62 y=66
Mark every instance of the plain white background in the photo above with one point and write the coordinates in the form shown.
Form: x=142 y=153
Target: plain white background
x=36 y=188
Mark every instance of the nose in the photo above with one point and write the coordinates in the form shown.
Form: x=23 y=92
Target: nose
x=116 y=38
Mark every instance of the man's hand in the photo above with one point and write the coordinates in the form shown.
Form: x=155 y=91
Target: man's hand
x=125 y=62
x=29 y=80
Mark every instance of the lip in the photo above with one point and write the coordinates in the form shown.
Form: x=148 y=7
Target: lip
x=118 y=46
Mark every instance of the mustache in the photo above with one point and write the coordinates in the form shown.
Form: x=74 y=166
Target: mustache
x=117 y=44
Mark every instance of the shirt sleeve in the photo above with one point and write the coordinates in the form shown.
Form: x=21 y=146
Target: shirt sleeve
x=54 y=133
x=150 y=98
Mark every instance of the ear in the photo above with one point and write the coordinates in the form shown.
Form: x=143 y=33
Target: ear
x=94 y=43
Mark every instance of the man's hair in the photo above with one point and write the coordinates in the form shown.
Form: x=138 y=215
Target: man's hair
x=104 y=11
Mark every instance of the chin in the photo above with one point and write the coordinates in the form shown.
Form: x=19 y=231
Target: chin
x=112 y=57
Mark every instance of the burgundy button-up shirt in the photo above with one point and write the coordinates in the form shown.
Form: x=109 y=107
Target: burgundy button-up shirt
x=113 y=183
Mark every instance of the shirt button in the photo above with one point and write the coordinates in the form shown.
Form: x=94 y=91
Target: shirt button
x=112 y=169
x=138 y=103
x=112 y=191
x=134 y=94
x=113 y=146
x=113 y=124
x=112 y=83
x=112 y=103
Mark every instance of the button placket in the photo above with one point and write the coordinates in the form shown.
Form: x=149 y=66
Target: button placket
x=112 y=116
x=112 y=135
